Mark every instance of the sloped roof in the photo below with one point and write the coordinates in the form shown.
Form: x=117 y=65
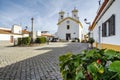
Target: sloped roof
x=47 y=34
x=98 y=14
x=2 y=31
x=70 y=19
x=25 y=32
x=5 y=31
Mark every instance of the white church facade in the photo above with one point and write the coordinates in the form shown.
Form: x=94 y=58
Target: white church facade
x=69 y=28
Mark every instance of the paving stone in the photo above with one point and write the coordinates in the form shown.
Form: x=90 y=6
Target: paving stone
x=34 y=63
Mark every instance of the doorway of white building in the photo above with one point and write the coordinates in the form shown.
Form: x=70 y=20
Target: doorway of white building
x=68 y=36
x=11 y=39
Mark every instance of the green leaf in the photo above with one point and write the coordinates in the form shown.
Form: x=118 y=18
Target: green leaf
x=118 y=55
x=90 y=53
x=80 y=75
x=92 y=68
x=119 y=75
x=115 y=66
x=84 y=51
x=65 y=57
x=110 y=53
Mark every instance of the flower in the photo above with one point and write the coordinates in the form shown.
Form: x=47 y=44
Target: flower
x=98 y=61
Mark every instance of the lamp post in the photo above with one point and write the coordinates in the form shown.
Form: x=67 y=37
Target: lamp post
x=89 y=23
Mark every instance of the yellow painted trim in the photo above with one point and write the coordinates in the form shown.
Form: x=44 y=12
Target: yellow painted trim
x=71 y=19
x=95 y=44
x=110 y=46
x=81 y=25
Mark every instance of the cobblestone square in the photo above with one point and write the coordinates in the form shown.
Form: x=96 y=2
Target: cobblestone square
x=34 y=63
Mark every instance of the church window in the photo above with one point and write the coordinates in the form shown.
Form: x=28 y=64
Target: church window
x=61 y=17
x=68 y=26
x=68 y=21
x=74 y=15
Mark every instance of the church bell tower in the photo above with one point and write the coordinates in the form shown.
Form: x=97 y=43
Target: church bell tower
x=75 y=14
x=61 y=15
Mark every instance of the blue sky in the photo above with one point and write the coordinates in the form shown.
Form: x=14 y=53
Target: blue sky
x=45 y=12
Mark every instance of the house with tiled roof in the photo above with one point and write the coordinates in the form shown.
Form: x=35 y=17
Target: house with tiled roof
x=69 y=27
x=9 y=35
x=44 y=33
x=106 y=25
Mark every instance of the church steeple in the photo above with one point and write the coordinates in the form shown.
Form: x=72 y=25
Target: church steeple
x=75 y=14
x=61 y=15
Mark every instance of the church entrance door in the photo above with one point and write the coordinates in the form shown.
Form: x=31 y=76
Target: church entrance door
x=68 y=36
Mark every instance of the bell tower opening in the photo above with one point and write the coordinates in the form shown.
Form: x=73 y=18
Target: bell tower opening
x=61 y=15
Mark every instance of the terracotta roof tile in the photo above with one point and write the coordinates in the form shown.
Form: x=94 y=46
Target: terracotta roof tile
x=46 y=34
x=5 y=31
x=25 y=32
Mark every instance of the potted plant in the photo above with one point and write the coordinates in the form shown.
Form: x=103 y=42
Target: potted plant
x=91 y=41
x=91 y=65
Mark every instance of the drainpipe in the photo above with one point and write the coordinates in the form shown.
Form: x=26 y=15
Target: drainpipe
x=99 y=37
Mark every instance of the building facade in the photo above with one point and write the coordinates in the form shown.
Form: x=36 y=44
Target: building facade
x=9 y=35
x=106 y=25
x=69 y=28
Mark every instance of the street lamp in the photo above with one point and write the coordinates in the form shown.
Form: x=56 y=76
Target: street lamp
x=89 y=23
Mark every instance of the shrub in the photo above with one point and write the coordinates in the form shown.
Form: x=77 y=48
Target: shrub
x=24 y=41
x=40 y=40
x=19 y=41
x=43 y=39
x=27 y=40
x=91 y=40
x=91 y=65
x=37 y=40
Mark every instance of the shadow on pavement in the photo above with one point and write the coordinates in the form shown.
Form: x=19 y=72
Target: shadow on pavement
x=40 y=67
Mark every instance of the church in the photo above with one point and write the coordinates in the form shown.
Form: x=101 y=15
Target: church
x=69 y=28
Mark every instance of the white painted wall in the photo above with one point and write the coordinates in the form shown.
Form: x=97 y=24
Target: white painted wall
x=17 y=36
x=17 y=29
x=26 y=35
x=74 y=28
x=5 y=37
x=114 y=9
x=38 y=33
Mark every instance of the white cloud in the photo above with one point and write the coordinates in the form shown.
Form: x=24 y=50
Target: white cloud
x=45 y=12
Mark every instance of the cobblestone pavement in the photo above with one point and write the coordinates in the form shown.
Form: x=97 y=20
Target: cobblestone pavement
x=34 y=63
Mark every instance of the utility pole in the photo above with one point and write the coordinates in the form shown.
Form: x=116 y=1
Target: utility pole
x=32 y=32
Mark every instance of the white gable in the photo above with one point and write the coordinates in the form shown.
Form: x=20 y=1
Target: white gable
x=75 y=30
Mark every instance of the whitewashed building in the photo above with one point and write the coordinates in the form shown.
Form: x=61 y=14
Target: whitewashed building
x=9 y=35
x=69 y=27
x=106 y=25
x=44 y=33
